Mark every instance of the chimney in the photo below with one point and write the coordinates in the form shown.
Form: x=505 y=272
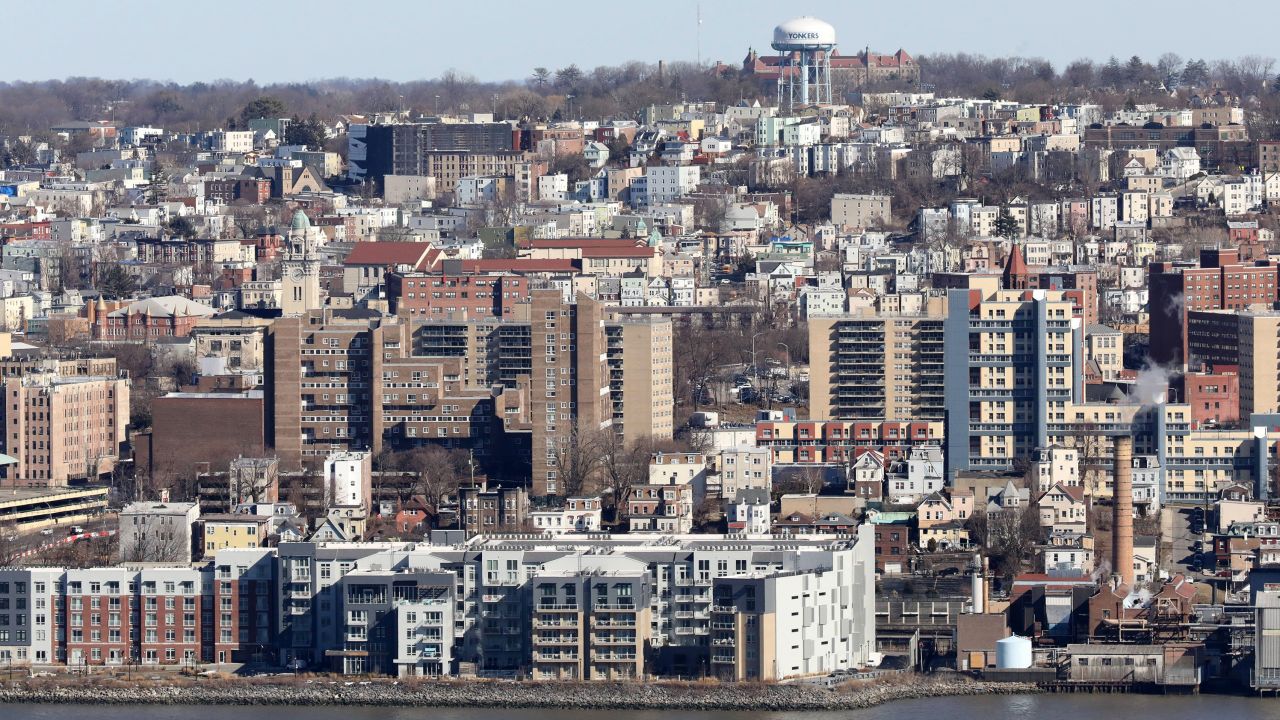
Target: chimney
x=979 y=606
x=1122 y=511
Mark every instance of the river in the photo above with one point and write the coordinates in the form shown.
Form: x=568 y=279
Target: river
x=1040 y=707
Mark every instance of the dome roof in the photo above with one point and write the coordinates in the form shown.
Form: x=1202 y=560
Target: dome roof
x=300 y=221
x=803 y=33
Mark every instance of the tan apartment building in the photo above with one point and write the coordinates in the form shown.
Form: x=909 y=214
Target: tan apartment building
x=448 y=167
x=62 y=428
x=860 y=211
x=591 y=619
x=236 y=338
x=873 y=365
x=641 y=376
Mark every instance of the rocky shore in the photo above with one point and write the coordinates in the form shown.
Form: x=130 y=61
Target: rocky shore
x=628 y=696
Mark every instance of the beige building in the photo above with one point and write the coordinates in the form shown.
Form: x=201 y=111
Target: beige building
x=237 y=530
x=450 y=166
x=62 y=428
x=860 y=211
x=1106 y=348
x=1259 y=348
x=234 y=337
x=641 y=377
x=873 y=365
x=397 y=189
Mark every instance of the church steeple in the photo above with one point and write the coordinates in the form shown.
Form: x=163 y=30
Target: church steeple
x=1016 y=275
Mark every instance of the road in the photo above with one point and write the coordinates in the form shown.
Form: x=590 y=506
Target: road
x=1182 y=539
x=34 y=542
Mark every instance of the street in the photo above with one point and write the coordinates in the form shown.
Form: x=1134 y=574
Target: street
x=33 y=543
x=1182 y=553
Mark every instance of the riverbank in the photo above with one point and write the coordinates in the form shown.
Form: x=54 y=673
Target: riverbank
x=497 y=694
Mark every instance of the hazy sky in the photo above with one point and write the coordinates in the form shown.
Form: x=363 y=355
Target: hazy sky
x=284 y=40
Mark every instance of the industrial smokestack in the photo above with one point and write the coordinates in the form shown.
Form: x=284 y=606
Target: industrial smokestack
x=1122 y=511
x=979 y=606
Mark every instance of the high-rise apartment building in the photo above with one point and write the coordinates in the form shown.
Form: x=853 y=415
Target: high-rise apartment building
x=346 y=380
x=1248 y=340
x=641 y=376
x=1014 y=358
x=61 y=428
x=1220 y=281
x=877 y=366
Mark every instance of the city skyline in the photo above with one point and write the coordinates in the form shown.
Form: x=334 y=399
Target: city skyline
x=410 y=49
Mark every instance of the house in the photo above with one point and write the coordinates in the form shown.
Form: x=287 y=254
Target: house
x=941 y=520
x=1064 y=507
x=157 y=531
x=867 y=470
x=1055 y=465
x=1065 y=559
x=748 y=512
x=577 y=515
x=799 y=523
x=232 y=530
x=661 y=508
x=924 y=475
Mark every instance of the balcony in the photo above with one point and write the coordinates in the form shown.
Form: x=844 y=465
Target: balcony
x=555 y=657
x=613 y=657
x=613 y=640
x=557 y=608
x=718 y=659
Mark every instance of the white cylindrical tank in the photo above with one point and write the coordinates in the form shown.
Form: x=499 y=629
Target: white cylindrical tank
x=804 y=33
x=1013 y=653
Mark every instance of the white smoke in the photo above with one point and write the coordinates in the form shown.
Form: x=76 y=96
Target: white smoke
x=1173 y=305
x=1152 y=385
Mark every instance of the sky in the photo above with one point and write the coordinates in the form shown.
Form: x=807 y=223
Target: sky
x=291 y=40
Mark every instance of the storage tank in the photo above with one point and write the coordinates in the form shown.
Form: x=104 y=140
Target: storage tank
x=1013 y=653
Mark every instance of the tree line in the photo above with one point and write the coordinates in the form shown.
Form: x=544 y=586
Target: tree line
x=605 y=91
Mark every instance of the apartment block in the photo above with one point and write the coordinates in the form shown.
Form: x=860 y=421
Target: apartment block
x=860 y=211
x=641 y=377
x=347 y=380
x=61 y=428
x=1219 y=281
x=1025 y=363
x=877 y=366
x=840 y=442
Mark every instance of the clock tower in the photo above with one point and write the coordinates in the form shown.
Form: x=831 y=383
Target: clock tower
x=300 y=270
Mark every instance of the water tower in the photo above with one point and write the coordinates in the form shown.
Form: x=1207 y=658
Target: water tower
x=805 y=72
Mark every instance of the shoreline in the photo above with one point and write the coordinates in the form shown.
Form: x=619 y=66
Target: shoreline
x=500 y=694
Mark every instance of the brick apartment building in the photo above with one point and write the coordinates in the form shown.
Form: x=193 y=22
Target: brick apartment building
x=1219 y=281
x=62 y=428
x=346 y=380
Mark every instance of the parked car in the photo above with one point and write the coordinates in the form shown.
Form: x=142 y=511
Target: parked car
x=75 y=530
x=47 y=531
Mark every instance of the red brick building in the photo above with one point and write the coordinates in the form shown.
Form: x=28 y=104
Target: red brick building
x=1214 y=396
x=1220 y=281
x=146 y=320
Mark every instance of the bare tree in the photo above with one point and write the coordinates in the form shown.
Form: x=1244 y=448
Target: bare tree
x=577 y=461
x=438 y=473
x=622 y=466
x=150 y=542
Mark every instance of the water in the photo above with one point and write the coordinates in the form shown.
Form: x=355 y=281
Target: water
x=1040 y=707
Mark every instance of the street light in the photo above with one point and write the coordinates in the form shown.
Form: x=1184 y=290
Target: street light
x=754 y=365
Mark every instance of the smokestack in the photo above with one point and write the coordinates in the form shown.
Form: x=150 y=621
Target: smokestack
x=976 y=587
x=1122 y=512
